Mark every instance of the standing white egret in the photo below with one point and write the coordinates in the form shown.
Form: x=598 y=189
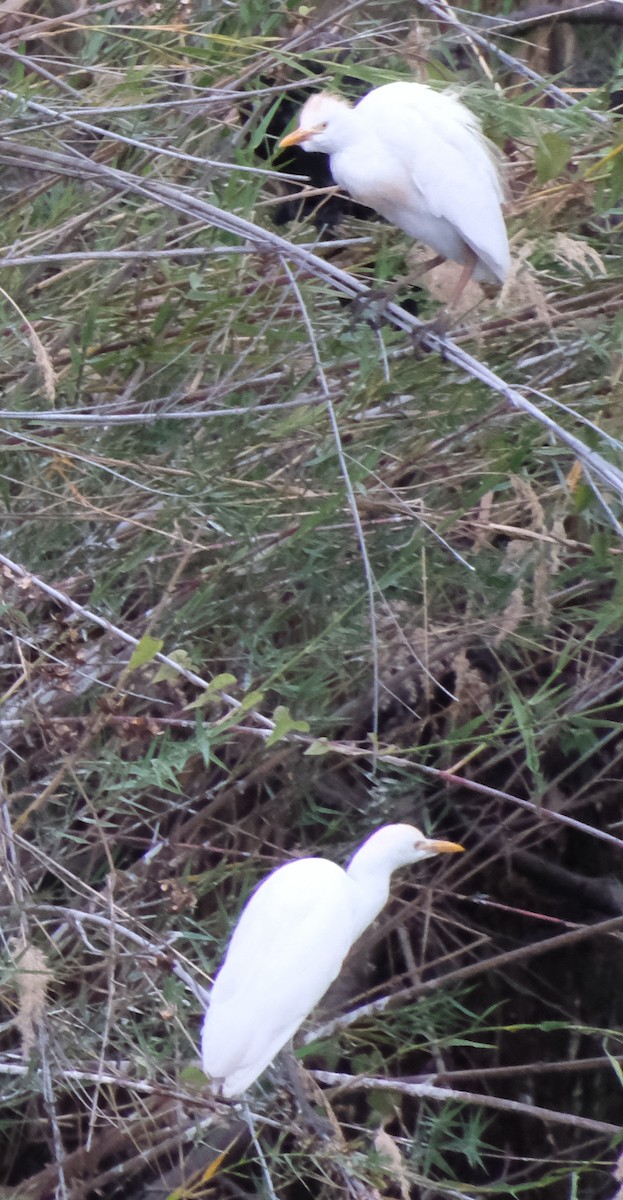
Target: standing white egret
x=288 y=946
x=420 y=159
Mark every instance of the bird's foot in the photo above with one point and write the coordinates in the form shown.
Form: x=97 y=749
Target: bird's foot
x=370 y=306
x=439 y=327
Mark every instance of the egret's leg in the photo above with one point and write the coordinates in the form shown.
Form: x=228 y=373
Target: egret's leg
x=391 y=290
x=418 y=271
x=378 y=297
x=443 y=321
x=463 y=280
x=258 y=1150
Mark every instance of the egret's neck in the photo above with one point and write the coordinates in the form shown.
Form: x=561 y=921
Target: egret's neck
x=371 y=884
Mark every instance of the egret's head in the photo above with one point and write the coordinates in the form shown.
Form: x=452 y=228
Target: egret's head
x=322 y=122
x=395 y=846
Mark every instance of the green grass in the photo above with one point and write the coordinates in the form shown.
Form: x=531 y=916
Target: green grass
x=213 y=524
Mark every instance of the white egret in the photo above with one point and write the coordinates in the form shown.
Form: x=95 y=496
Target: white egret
x=289 y=945
x=420 y=159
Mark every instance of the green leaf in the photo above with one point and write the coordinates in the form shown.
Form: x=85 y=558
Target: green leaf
x=319 y=747
x=259 y=134
x=193 y=1077
x=222 y=681
x=216 y=685
x=285 y=724
x=551 y=156
x=204 y=738
x=616 y=178
x=168 y=674
x=251 y=700
x=526 y=729
x=162 y=317
x=146 y=649
x=616 y=1066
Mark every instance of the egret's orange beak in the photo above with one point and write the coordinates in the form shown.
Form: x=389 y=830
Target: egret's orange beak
x=447 y=848
x=295 y=138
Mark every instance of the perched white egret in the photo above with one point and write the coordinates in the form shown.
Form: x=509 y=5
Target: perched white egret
x=288 y=946
x=420 y=159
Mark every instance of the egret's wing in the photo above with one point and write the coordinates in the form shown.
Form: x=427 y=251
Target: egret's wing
x=287 y=948
x=304 y=893
x=449 y=161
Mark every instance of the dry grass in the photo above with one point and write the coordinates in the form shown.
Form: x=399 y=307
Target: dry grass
x=269 y=580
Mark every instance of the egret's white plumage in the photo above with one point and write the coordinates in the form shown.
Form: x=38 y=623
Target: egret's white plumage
x=288 y=946
x=420 y=159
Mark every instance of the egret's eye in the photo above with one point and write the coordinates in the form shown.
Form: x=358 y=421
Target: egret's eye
x=323 y=125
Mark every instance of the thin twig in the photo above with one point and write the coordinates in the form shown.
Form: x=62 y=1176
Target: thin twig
x=461 y=974
x=182 y=201
x=352 y=504
x=117 y=631
x=258 y=1150
x=446 y=14
x=427 y=1091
